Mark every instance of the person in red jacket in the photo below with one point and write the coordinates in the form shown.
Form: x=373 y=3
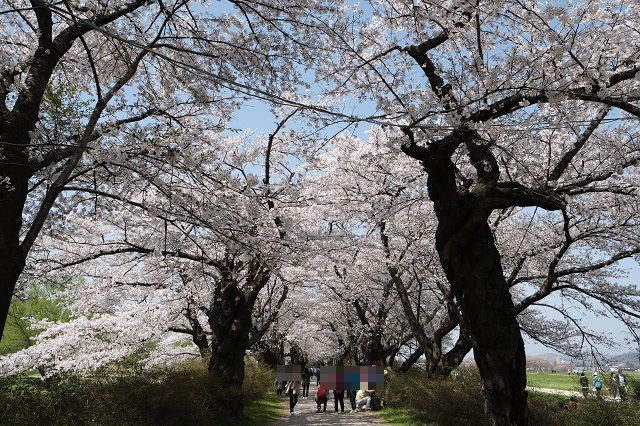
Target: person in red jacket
x=321 y=397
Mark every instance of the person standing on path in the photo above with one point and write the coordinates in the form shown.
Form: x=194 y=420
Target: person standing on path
x=338 y=394
x=597 y=385
x=351 y=394
x=292 y=389
x=306 y=381
x=279 y=387
x=613 y=384
x=622 y=385
x=584 y=383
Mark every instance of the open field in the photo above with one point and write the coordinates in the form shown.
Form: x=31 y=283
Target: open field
x=564 y=381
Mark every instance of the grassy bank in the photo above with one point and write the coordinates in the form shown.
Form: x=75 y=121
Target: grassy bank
x=265 y=410
x=412 y=399
x=564 y=381
x=163 y=397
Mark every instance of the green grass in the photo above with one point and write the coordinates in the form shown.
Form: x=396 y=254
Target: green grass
x=564 y=381
x=263 y=411
x=402 y=416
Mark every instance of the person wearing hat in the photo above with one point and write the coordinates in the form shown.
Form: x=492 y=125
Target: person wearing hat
x=597 y=385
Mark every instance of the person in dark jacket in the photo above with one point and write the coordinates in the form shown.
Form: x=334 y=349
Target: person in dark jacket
x=306 y=380
x=338 y=394
x=584 y=383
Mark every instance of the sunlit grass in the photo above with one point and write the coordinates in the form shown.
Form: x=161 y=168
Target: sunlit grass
x=259 y=412
x=563 y=381
x=402 y=416
x=570 y=382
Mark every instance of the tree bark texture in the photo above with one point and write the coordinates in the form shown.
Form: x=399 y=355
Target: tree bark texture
x=471 y=262
x=230 y=318
x=230 y=322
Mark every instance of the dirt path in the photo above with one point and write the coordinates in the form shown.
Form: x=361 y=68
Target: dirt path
x=572 y=393
x=305 y=414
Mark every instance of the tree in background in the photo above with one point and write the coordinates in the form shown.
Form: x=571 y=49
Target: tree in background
x=37 y=303
x=136 y=68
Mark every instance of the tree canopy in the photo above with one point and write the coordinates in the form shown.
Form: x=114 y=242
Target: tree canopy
x=492 y=193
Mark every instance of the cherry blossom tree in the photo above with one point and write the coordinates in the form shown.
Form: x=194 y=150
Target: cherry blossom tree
x=500 y=78
x=121 y=71
x=193 y=231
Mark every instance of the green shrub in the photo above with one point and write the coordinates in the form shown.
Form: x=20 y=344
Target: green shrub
x=460 y=402
x=633 y=389
x=593 y=412
x=258 y=380
x=445 y=402
x=178 y=396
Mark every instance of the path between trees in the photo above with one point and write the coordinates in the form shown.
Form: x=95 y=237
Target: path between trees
x=571 y=393
x=305 y=413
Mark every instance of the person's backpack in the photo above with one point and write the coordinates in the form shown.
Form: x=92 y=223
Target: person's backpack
x=375 y=402
x=597 y=383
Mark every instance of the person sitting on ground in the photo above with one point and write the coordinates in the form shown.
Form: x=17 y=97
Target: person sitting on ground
x=321 y=397
x=363 y=397
x=375 y=403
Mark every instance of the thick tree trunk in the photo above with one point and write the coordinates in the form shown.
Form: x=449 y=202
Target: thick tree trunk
x=230 y=321
x=475 y=273
x=13 y=192
x=230 y=318
x=11 y=267
x=373 y=351
x=471 y=261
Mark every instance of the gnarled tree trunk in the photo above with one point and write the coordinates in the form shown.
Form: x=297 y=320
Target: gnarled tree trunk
x=230 y=319
x=471 y=262
x=489 y=314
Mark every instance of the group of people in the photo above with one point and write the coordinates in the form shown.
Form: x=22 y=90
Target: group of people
x=617 y=384
x=358 y=399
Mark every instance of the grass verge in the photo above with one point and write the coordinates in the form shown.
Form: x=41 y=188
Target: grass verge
x=403 y=416
x=262 y=411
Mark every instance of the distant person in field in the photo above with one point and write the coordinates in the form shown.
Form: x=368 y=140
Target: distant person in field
x=622 y=385
x=613 y=384
x=293 y=389
x=597 y=385
x=306 y=381
x=584 y=383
